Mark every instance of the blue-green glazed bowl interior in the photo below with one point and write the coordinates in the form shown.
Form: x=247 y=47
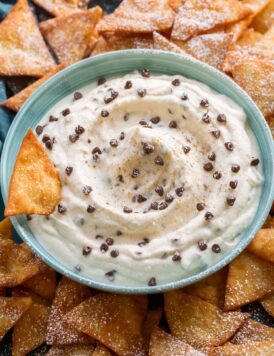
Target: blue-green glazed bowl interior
x=117 y=63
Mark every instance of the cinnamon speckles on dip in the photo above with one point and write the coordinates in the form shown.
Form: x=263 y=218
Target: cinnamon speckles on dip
x=146 y=174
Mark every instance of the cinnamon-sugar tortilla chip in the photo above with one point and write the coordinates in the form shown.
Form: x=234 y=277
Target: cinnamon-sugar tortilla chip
x=210 y=48
x=6 y=228
x=164 y=344
x=256 y=77
x=249 y=278
x=17 y=263
x=71 y=350
x=114 y=320
x=264 y=348
x=15 y=102
x=252 y=331
x=58 y=7
x=101 y=46
x=11 y=310
x=198 y=322
x=152 y=320
x=210 y=289
x=265 y=19
x=69 y=294
x=263 y=245
x=30 y=330
x=69 y=36
x=22 y=48
x=198 y=16
x=101 y=350
x=268 y=304
x=161 y=42
x=36 y=299
x=138 y=16
x=43 y=284
x=35 y=187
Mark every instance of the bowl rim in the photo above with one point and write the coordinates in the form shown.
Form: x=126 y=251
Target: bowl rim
x=125 y=54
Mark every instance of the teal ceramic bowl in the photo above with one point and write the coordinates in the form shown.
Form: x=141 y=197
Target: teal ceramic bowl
x=117 y=63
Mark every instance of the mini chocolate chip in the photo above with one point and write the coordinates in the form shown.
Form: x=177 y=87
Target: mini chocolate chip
x=221 y=118
x=216 y=133
x=104 y=113
x=141 y=92
x=163 y=205
x=146 y=240
x=86 y=250
x=145 y=73
x=114 y=253
x=230 y=201
x=69 y=170
x=176 y=257
x=78 y=268
x=186 y=149
x=159 y=161
x=120 y=178
x=154 y=205
x=52 y=118
x=77 y=95
x=119 y=233
x=172 y=124
x=39 y=129
x=128 y=84
x=29 y=218
x=109 y=241
x=104 y=247
x=148 y=148
x=184 y=97
x=255 y=162
x=45 y=138
x=101 y=81
x=180 y=191
x=202 y=245
x=211 y=156
x=90 y=209
x=111 y=95
x=209 y=215
x=66 y=112
x=216 y=248
x=159 y=190
x=127 y=210
x=96 y=150
x=204 y=103
x=49 y=144
x=61 y=209
x=200 y=206
x=87 y=189
x=141 y=198
x=217 y=175
x=142 y=122
x=208 y=166
x=233 y=184
x=152 y=282
x=235 y=168
x=176 y=82
x=229 y=146
x=135 y=173
x=155 y=120
x=113 y=143
x=206 y=118
x=73 y=138
x=79 y=130
x=169 y=198
x=122 y=136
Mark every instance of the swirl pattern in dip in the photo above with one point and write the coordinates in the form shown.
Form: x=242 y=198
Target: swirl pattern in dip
x=160 y=176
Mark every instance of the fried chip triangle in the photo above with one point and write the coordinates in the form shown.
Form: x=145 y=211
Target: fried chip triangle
x=71 y=350
x=264 y=348
x=198 y=16
x=198 y=322
x=69 y=36
x=6 y=229
x=263 y=244
x=15 y=102
x=139 y=16
x=22 y=48
x=68 y=295
x=58 y=7
x=252 y=331
x=153 y=319
x=264 y=20
x=160 y=42
x=114 y=320
x=268 y=304
x=164 y=344
x=249 y=278
x=11 y=310
x=35 y=187
x=30 y=331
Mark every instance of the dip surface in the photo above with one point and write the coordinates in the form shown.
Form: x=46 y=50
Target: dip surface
x=160 y=177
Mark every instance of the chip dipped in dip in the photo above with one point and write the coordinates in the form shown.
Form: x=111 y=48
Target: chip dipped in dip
x=160 y=177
